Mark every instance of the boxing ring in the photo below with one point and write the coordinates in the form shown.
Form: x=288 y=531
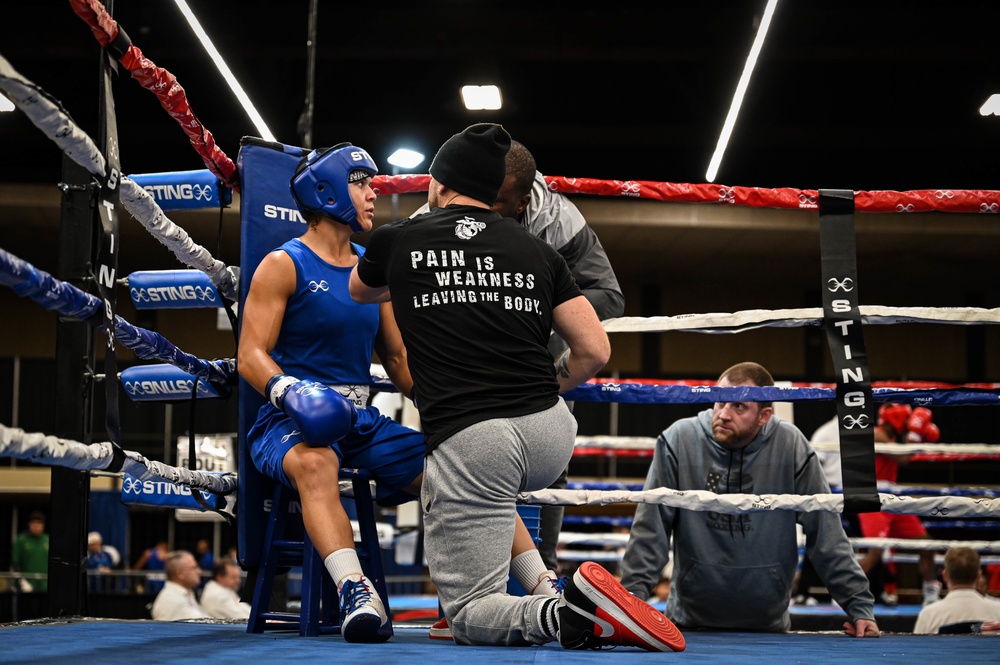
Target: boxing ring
x=208 y=279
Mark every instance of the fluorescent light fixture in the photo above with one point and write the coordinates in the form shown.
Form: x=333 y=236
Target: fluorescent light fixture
x=741 y=88
x=990 y=107
x=234 y=85
x=406 y=159
x=6 y=104
x=481 y=97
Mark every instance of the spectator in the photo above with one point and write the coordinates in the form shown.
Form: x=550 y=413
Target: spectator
x=101 y=559
x=205 y=556
x=153 y=559
x=221 y=596
x=476 y=300
x=963 y=609
x=176 y=600
x=30 y=555
x=899 y=423
x=735 y=572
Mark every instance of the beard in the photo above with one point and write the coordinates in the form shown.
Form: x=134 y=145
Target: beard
x=731 y=436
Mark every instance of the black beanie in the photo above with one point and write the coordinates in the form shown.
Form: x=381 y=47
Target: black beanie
x=474 y=161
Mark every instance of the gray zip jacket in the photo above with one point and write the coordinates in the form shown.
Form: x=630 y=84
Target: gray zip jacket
x=735 y=572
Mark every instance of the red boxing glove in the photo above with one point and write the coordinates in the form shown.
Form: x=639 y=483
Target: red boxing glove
x=896 y=415
x=920 y=428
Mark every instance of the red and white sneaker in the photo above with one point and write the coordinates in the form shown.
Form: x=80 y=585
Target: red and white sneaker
x=440 y=630
x=596 y=612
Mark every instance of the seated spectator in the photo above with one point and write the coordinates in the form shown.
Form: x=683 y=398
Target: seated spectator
x=176 y=600
x=964 y=609
x=221 y=597
x=205 y=555
x=101 y=559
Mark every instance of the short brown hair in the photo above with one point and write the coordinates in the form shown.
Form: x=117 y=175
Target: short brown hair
x=962 y=565
x=749 y=372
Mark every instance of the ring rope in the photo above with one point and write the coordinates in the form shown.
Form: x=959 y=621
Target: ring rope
x=981 y=201
x=48 y=115
x=717 y=322
x=735 y=504
x=161 y=83
x=54 y=294
x=54 y=451
x=649 y=443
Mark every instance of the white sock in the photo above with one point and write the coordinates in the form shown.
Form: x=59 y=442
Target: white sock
x=543 y=587
x=527 y=568
x=343 y=565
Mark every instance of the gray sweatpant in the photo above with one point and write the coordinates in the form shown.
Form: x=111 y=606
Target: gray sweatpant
x=468 y=496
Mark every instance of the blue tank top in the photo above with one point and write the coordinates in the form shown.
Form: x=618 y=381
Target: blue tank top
x=325 y=336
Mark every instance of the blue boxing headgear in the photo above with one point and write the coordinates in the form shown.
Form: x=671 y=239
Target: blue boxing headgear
x=321 y=179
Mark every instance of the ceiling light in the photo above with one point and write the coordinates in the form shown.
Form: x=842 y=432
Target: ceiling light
x=481 y=97
x=223 y=68
x=406 y=159
x=6 y=104
x=741 y=88
x=990 y=107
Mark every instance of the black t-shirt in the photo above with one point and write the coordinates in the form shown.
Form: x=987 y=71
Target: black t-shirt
x=473 y=295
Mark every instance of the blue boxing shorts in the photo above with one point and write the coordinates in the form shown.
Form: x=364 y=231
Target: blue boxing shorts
x=392 y=453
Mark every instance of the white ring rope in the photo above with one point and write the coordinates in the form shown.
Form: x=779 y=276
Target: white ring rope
x=48 y=116
x=720 y=322
x=51 y=450
x=578 y=538
x=649 y=442
x=735 y=504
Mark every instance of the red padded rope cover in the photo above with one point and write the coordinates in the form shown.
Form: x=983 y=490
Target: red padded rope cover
x=984 y=201
x=164 y=85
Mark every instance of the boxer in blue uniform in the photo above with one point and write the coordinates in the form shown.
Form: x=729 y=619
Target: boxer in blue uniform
x=307 y=347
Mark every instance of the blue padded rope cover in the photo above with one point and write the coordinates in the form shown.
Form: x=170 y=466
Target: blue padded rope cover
x=268 y=218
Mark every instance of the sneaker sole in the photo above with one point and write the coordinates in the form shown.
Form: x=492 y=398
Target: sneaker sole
x=437 y=634
x=653 y=630
x=366 y=628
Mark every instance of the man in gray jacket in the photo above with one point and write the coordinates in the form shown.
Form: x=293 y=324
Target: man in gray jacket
x=735 y=572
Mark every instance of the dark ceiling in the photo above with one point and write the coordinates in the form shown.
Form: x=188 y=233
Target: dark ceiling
x=847 y=94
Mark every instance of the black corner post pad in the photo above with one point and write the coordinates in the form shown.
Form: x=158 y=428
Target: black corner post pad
x=836 y=202
x=842 y=322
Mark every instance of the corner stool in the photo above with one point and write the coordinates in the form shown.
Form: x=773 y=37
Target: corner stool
x=284 y=547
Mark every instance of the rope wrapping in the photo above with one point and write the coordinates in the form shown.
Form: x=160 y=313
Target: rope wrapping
x=144 y=208
x=49 y=116
x=54 y=294
x=161 y=83
x=734 y=504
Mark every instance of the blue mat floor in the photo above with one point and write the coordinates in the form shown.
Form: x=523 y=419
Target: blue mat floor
x=107 y=641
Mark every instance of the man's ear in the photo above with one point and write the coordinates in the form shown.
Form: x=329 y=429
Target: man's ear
x=765 y=415
x=523 y=204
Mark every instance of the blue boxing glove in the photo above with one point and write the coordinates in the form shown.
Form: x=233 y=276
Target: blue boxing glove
x=322 y=415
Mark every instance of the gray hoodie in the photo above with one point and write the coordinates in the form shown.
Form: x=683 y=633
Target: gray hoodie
x=735 y=572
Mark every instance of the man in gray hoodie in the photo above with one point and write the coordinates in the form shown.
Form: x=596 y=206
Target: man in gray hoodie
x=735 y=572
